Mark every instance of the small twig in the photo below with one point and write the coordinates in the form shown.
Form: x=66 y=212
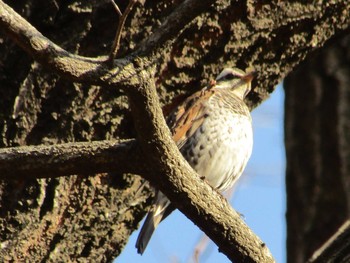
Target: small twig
x=116 y=8
x=336 y=248
x=122 y=19
x=200 y=248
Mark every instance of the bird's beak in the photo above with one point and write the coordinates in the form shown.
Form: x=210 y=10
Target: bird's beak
x=249 y=76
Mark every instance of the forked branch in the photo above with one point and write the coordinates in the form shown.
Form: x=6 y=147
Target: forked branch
x=121 y=23
x=135 y=76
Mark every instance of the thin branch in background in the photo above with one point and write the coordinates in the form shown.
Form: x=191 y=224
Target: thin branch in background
x=336 y=248
x=122 y=19
x=200 y=248
x=116 y=8
x=203 y=243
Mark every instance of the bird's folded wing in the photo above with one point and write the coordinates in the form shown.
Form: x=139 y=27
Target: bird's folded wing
x=189 y=116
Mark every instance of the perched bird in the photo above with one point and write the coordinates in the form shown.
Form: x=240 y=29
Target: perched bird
x=213 y=130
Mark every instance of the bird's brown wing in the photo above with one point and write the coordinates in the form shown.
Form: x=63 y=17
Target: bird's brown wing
x=187 y=117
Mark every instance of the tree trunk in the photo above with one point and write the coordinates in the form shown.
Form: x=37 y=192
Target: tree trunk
x=317 y=117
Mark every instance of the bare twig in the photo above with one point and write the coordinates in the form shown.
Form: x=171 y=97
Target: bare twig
x=336 y=248
x=122 y=19
x=116 y=8
x=200 y=248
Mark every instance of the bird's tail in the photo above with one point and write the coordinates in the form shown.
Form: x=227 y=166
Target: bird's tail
x=159 y=210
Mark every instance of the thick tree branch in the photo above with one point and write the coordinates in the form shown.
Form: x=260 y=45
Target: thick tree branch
x=183 y=186
x=48 y=53
x=30 y=162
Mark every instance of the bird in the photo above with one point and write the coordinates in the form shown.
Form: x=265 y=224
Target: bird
x=213 y=130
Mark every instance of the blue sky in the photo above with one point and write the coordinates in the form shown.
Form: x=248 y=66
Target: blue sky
x=259 y=196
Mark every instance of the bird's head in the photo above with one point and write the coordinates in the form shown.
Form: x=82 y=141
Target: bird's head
x=235 y=79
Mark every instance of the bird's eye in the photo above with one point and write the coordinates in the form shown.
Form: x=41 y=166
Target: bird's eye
x=229 y=76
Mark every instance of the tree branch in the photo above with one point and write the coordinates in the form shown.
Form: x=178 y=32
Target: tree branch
x=116 y=7
x=30 y=162
x=336 y=249
x=74 y=67
x=122 y=19
x=87 y=69
x=183 y=186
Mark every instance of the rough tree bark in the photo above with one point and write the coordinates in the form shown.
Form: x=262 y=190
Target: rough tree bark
x=79 y=217
x=318 y=150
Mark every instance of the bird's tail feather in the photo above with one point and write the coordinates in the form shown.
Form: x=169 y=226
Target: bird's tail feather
x=157 y=213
